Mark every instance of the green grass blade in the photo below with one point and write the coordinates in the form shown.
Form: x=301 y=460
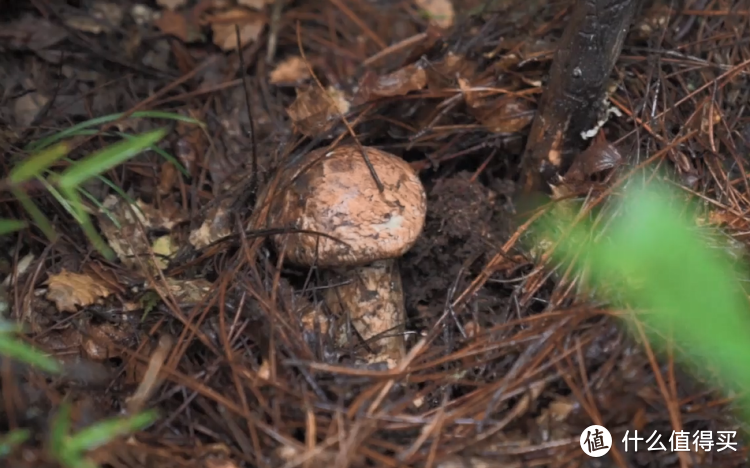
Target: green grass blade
x=38 y=163
x=42 y=222
x=60 y=430
x=108 y=158
x=654 y=261
x=15 y=349
x=163 y=154
x=84 y=220
x=78 y=128
x=105 y=431
x=11 y=225
x=12 y=440
x=58 y=196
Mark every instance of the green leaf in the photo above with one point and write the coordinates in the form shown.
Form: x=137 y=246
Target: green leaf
x=11 y=225
x=12 y=440
x=80 y=129
x=38 y=163
x=85 y=222
x=107 y=158
x=655 y=261
x=60 y=430
x=105 y=431
x=36 y=214
x=13 y=348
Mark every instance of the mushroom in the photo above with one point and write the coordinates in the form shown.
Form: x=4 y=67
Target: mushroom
x=333 y=192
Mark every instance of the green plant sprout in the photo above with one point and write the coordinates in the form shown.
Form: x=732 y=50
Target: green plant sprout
x=687 y=294
x=70 y=450
x=67 y=188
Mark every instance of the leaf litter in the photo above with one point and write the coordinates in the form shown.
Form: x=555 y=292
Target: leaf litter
x=255 y=365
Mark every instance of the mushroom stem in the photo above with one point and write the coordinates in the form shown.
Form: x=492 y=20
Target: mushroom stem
x=374 y=300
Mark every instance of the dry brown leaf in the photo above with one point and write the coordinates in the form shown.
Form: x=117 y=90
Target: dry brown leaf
x=440 y=12
x=399 y=83
x=251 y=24
x=315 y=111
x=216 y=226
x=70 y=290
x=171 y=4
x=290 y=71
x=175 y=24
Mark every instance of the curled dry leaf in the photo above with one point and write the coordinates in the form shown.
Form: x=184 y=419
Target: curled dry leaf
x=439 y=12
x=598 y=157
x=71 y=290
x=399 y=83
x=290 y=71
x=250 y=23
x=315 y=111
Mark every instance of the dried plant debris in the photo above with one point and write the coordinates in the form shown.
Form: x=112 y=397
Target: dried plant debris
x=128 y=230
x=291 y=71
x=316 y=111
x=223 y=24
x=216 y=226
x=69 y=291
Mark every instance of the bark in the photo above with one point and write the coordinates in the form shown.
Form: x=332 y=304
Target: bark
x=374 y=301
x=574 y=100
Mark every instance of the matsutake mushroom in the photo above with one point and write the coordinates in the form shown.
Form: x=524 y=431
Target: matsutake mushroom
x=364 y=232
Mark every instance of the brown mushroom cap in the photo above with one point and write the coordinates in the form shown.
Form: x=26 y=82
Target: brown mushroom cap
x=333 y=192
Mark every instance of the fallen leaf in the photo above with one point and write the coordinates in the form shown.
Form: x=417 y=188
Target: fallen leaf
x=70 y=290
x=440 y=12
x=175 y=24
x=216 y=226
x=251 y=24
x=290 y=71
x=128 y=241
x=164 y=248
x=171 y=5
x=104 y=341
x=399 y=83
x=315 y=110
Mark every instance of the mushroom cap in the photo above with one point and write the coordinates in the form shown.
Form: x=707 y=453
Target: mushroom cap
x=332 y=192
